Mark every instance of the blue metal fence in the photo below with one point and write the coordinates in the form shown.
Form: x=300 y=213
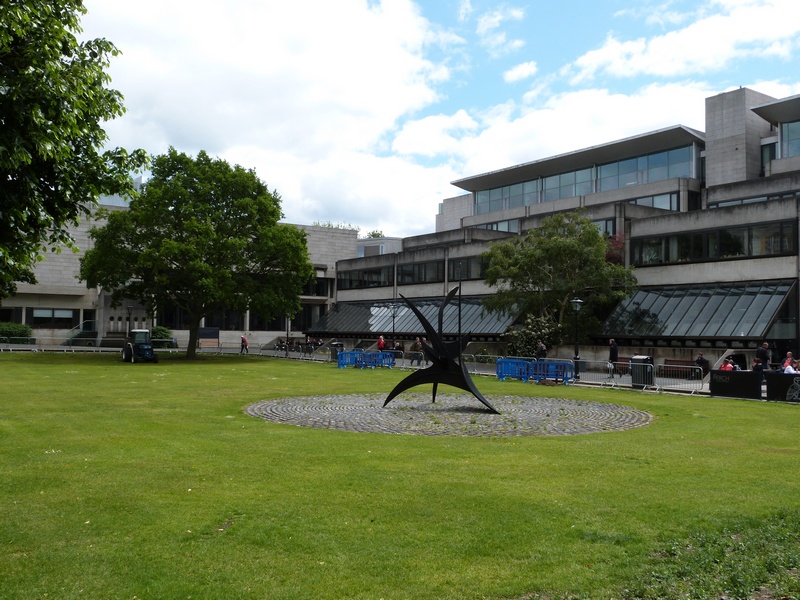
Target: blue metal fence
x=361 y=359
x=523 y=369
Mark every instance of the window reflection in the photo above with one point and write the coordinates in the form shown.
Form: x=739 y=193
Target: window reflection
x=677 y=162
x=769 y=239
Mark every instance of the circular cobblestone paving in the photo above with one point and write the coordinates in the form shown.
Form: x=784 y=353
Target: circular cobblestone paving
x=451 y=414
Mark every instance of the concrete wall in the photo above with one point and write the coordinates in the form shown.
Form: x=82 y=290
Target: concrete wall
x=733 y=136
x=326 y=245
x=452 y=211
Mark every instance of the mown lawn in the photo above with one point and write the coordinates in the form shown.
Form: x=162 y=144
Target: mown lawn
x=149 y=481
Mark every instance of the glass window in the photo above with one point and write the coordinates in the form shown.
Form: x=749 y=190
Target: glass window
x=652 y=251
x=679 y=155
x=709 y=307
x=627 y=166
x=530 y=191
x=583 y=182
x=566 y=184
x=658 y=166
x=516 y=197
x=658 y=159
x=496 y=202
x=766 y=240
x=482 y=202
x=790 y=139
x=666 y=201
x=608 y=176
x=551 y=188
x=628 y=174
x=733 y=242
x=788 y=237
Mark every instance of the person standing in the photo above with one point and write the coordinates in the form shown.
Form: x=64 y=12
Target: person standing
x=758 y=367
x=245 y=346
x=541 y=350
x=702 y=362
x=416 y=352
x=613 y=356
x=763 y=354
x=381 y=343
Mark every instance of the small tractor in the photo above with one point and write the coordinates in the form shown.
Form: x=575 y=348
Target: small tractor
x=138 y=347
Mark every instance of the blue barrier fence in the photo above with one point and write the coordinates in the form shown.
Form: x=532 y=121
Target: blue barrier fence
x=536 y=370
x=361 y=359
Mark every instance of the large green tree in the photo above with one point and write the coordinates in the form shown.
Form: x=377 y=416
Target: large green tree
x=53 y=101
x=537 y=274
x=202 y=235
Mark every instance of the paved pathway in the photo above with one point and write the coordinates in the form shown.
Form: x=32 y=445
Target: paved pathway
x=451 y=414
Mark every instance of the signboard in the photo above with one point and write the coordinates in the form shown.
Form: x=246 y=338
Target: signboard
x=736 y=384
x=784 y=388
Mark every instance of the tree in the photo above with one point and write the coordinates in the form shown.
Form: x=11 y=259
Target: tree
x=202 y=235
x=539 y=273
x=522 y=340
x=53 y=100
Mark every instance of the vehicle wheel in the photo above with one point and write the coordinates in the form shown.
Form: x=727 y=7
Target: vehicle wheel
x=125 y=357
x=133 y=357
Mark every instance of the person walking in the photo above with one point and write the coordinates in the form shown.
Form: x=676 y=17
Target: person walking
x=245 y=346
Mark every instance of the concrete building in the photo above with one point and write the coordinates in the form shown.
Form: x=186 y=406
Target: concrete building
x=62 y=310
x=709 y=220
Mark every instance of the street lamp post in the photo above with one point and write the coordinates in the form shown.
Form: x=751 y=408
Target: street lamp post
x=393 y=309
x=130 y=311
x=577 y=304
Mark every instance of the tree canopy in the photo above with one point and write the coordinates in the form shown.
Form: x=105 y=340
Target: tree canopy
x=540 y=272
x=53 y=102
x=202 y=235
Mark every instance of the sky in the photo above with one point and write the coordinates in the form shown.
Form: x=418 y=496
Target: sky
x=362 y=112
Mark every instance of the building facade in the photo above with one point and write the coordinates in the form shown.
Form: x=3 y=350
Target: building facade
x=62 y=310
x=709 y=220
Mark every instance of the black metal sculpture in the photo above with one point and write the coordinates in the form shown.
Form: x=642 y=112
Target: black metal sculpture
x=444 y=367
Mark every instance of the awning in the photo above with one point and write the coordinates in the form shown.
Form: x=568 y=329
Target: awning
x=371 y=319
x=723 y=311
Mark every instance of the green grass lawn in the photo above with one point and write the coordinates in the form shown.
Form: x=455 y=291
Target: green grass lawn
x=149 y=481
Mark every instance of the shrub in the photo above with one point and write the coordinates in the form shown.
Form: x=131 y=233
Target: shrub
x=161 y=336
x=15 y=330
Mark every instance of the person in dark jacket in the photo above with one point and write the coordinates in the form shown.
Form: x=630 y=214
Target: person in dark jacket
x=613 y=356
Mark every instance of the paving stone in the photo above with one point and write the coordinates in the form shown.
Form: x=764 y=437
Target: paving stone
x=451 y=414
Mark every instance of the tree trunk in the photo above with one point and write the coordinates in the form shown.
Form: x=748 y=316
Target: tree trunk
x=191 y=349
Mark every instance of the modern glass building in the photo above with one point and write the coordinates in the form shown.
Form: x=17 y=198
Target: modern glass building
x=708 y=219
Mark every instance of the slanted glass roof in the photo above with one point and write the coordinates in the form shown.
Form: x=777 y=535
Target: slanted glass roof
x=718 y=311
x=375 y=318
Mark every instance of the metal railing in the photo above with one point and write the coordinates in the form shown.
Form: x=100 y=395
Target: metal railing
x=644 y=376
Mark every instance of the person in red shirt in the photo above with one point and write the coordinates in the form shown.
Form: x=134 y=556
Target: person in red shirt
x=381 y=343
x=727 y=365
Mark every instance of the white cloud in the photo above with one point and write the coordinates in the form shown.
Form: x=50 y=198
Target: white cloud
x=434 y=135
x=298 y=99
x=574 y=120
x=492 y=38
x=740 y=28
x=351 y=119
x=464 y=10
x=520 y=72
